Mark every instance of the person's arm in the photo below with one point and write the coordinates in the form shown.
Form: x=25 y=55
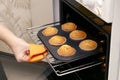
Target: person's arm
x=17 y=45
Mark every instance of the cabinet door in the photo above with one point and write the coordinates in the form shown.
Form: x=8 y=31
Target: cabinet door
x=42 y=11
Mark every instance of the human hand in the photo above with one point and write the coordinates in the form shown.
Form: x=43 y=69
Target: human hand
x=17 y=45
x=20 y=50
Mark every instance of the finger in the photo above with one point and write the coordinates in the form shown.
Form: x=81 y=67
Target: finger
x=27 y=52
x=25 y=58
x=18 y=58
x=22 y=58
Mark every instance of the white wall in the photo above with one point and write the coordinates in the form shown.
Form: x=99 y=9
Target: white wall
x=42 y=11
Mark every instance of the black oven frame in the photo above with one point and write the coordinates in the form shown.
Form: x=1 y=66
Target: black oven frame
x=70 y=10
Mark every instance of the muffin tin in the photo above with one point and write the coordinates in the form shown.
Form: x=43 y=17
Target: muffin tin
x=80 y=54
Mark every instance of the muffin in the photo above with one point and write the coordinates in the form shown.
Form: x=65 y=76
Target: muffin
x=57 y=40
x=98 y=21
x=69 y=26
x=49 y=31
x=88 y=45
x=66 y=51
x=77 y=35
x=107 y=28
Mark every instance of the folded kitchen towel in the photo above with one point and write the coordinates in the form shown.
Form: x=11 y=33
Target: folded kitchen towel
x=37 y=53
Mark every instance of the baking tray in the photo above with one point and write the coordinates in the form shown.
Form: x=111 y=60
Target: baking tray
x=80 y=54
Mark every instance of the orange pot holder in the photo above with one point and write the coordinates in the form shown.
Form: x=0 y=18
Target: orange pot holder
x=37 y=53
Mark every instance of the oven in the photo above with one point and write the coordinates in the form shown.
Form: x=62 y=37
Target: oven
x=90 y=65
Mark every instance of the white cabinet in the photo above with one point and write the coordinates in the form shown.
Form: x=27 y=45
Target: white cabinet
x=42 y=11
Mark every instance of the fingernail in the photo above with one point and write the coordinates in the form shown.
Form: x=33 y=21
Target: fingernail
x=27 y=52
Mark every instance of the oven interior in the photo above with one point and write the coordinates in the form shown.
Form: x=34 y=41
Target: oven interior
x=94 y=67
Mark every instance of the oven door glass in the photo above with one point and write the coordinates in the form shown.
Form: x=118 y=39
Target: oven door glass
x=101 y=8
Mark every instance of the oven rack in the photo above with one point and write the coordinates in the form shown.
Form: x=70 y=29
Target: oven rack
x=64 y=68
x=59 y=67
